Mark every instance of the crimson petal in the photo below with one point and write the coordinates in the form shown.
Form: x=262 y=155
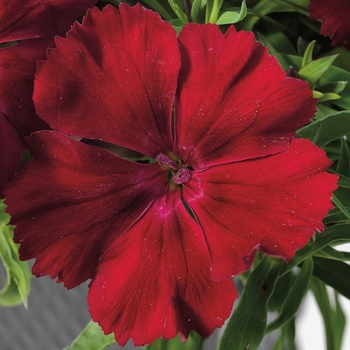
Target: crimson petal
x=17 y=69
x=31 y=19
x=155 y=281
x=335 y=19
x=118 y=90
x=11 y=152
x=234 y=101
x=72 y=200
x=273 y=204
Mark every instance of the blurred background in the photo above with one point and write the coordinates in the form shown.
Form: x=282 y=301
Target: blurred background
x=56 y=316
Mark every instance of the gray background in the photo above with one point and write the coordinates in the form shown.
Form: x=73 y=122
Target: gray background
x=54 y=318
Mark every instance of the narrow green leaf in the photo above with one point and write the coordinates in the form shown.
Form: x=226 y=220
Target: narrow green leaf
x=215 y=9
x=336 y=87
x=331 y=128
x=246 y=327
x=334 y=234
x=177 y=25
x=91 y=338
x=197 y=6
x=322 y=298
x=317 y=94
x=179 y=12
x=194 y=342
x=343 y=165
x=341 y=207
x=329 y=96
x=339 y=323
x=329 y=253
x=289 y=334
x=314 y=70
x=343 y=181
x=338 y=74
x=232 y=17
x=307 y=58
x=156 y=6
x=324 y=111
x=294 y=298
x=334 y=273
x=272 y=50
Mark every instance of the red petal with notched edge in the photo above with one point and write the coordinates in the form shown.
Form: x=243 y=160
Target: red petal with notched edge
x=10 y=154
x=17 y=69
x=234 y=101
x=31 y=19
x=274 y=204
x=155 y=281
x=335 y=19
x=72 y=200
x=118 y=90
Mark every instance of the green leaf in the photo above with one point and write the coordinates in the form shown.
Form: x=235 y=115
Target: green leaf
x=246 y=327
x=339 y=323
x=338 y=74
x=329 y=253
x=344 y=181
x=91 y=338
x=330 y=128
x=307 y=58
x=197 y=6
x=289 y=334
x=329 y=96
x=156 y=6
x=334 y=320
x=343 y=165
x=336 y=87
x=272 y=50
x=266 y=7
x=334 y=234
x=314 y=70
x=17 y=285
x=177 y=25
x=334 y=273
x=341 y=207
x=294 y=298
x=179 y=12
x=232 y=17
x=214 y=7
x=194 y=342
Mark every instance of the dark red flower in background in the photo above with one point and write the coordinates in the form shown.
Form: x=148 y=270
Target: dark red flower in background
x=335 y=19
x=11 y=152
x=34 y=23
x=215 y=115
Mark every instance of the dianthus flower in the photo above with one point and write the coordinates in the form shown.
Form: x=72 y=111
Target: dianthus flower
x=11 y=152
x=198 y=170
x=32 y=23
x=335 y=19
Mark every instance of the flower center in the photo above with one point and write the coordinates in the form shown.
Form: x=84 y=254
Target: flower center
x=178 y=173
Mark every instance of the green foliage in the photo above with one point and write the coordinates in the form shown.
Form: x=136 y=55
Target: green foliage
x=91 y=338
x=294 y=298
x=194 y=342
x=232 y=17
x=17 y=284
x=334 y=319
x=246 y=327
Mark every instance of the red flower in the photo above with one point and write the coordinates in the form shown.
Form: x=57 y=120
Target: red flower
x=335 y=19
x=160 y=241
x=35 y=22
x=11 y=152
x=38 y=21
